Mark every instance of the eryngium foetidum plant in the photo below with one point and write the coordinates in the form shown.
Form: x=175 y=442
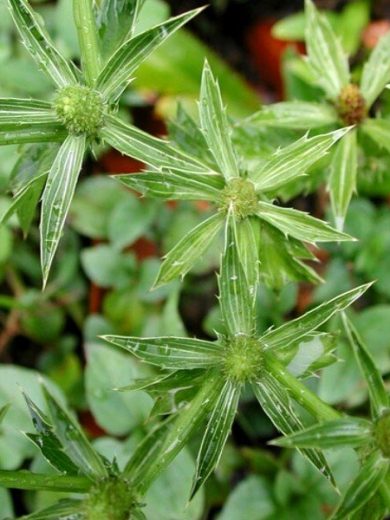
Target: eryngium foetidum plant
x=267 y=234
x=216 y=372
x=83 y=107
x=347 y=104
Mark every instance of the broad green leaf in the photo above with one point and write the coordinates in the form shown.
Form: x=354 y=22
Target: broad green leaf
x=170 y=353
x=183 y=426
x=217 y=431
x=326 y=54
x=116 y=21
x=376 y=71
x=39 y=45
x=34 y=133
x=48 y=442
x=24 y=479
x=19 y=113
x=288 y=163
x=342 y=181
x=62 y=510
x=215 y=125
x=76 y=444
x=379 y=131
x=276 y=403
x=85 y=22
x=300 y=115
x=296 y=329
x=58 y=195
x=188 y=251
x=341 y=432
x=363 y=487
x=174 y=184
x=236 y=300
x=299 y=225
x=379 y=398
x=119 y=69
x=131 y=141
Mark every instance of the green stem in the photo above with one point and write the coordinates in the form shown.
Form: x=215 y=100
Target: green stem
x=310 y=401
x=27 y=480
x=88 y=40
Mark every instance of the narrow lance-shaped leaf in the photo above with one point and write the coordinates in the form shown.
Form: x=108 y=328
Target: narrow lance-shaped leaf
x=378 y=130
x=77 y=446
x=33 y=133
x=188 y=251
x=342 y=182
x=184 y=425
x=215 y=126
x=174 y=184
x=376 y=71
x=236 y=300
x=27 y=480
x=58 y=195
x=218 y=429
x=62 y=510
x=363 y=487
x=39 y=45
x=119 y=69
x=292 y=161
x=341 y=432
x=48 y=442
x=300 y=115
x=3 y=410
x=326 y=55
x=276 y=403
x=293 y=330
x=248 y=243
x=131 y=141
x=379 y=398
x=84 y=18
x=169 y=352
x=18 y=113
x=299 y=225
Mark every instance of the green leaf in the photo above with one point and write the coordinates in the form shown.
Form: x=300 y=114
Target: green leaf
x=376 y=71
x=62 y=510
x=363 y=487
x=48 y=442
x=39 y=45
x=296 y=329
x=116 y=21
x=131 y=141
x=19 y=113
x=299 y=225
x=23 y=479
x=183 y=426
x=169 y=352
x=217 y=431
x=276 y=403
x=379 y=398
x=76 y=444
x=341 y=432
x=300 y=115
x=288 y=163
x=342 y=181
x=236 y=300
x=84 y=20
x=174 y=184
x=326 y=55
x=188 y=251
x=57 y=196
x=33 y=133
x=248 y=243
x=215 y=126
x=379 y=131
x=119 y=69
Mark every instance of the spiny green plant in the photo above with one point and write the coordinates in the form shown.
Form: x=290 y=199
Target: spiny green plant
x=347 y=103
x=82 y=111
x=267 y=234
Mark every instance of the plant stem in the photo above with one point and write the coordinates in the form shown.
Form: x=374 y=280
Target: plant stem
x=27 y=480
x=87 y=32
x=310 y=401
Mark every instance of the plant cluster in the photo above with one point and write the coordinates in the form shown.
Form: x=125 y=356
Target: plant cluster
x=196 y=384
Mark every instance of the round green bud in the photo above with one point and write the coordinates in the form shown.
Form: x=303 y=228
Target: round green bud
x=110 y=499
x=351 y=105
x=240 y=196
x=243 y=359
x=80 y=109
x=382 y=434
